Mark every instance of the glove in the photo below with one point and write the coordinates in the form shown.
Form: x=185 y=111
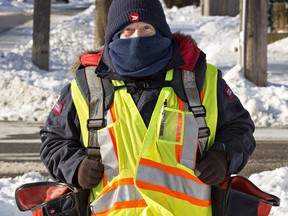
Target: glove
x=90 y=173
x=213 y=168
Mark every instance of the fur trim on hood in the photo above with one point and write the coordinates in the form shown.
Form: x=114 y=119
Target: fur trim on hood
x=77 y=63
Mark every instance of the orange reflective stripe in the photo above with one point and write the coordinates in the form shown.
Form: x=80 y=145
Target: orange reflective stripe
x=178 y=151
x=170 y=170
x=111 y=130
x=179 y=127
x=104 y=179
x=123 y=205
x=112 y=112
x=180 y=104
x=179 y=195
x=126 y=181
x=202 y=95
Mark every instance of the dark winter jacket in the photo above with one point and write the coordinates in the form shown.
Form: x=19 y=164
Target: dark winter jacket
x=62 y=148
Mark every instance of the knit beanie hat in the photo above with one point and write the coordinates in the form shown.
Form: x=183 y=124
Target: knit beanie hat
x=125 y=12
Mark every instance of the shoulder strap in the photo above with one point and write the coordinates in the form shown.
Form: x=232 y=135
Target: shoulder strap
x=195 y=105
x=96 y=119
x=93 y=91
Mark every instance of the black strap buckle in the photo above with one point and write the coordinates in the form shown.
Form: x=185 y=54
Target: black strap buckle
x=132 y=87
x=96 y=124
x=198 y=111
x=93 y=153
x=203 y=132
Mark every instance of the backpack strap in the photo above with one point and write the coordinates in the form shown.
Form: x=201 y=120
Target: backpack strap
x=96 y=119
x=195 y=106
x=92 y=89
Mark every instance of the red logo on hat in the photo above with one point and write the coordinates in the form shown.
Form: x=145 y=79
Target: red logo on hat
x=134 y=17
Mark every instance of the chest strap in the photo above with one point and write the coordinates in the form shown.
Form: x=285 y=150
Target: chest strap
x=132 y=87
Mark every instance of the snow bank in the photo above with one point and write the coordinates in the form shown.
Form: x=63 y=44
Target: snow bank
x=29 y=93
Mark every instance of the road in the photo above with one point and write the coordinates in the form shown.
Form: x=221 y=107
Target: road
x=19 y=149
x=20 y=144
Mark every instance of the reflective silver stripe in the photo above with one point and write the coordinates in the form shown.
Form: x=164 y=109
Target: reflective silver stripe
x=189 y=146
x=109 y=117
x=120 y=194
x=173 y=182
x=107 y=151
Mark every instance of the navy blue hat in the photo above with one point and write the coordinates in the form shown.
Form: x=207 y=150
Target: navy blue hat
x=125 y=12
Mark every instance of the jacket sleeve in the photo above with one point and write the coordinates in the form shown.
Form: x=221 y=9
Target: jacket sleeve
x=61 y=149
x=235 y=128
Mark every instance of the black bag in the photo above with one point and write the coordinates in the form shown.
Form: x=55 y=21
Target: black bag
x=52 y=198
x=238 y=196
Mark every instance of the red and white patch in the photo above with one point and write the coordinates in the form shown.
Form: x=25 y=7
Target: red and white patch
x=52 y=211
x=229 y=92
x=134 y=17
x=58 y=107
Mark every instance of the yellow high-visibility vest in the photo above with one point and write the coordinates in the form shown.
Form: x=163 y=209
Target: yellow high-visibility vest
x=150 y=171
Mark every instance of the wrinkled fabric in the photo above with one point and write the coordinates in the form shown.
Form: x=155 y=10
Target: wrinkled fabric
x=140 y=56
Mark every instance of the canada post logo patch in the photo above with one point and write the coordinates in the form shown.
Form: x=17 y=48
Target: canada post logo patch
x=229 y=92
x=134 y=17
x=58 y=107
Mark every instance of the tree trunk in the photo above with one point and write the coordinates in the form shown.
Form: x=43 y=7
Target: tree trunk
x=102 y=7
x=242 y=39
x=41 y=30
x=220 y=7
x=256 y=58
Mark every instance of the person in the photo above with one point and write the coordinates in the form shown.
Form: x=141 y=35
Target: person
x=152 y=159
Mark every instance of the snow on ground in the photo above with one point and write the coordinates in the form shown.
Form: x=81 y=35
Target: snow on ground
x=28 y=93
x=217 y=36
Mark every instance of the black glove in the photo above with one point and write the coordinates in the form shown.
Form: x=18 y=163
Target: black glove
x=90 y=173
x=213 y=168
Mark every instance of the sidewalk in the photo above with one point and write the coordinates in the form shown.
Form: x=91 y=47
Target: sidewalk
x=271 y=134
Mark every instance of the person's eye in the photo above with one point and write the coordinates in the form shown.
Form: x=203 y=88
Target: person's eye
x=148 y=27
x=128 y=30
